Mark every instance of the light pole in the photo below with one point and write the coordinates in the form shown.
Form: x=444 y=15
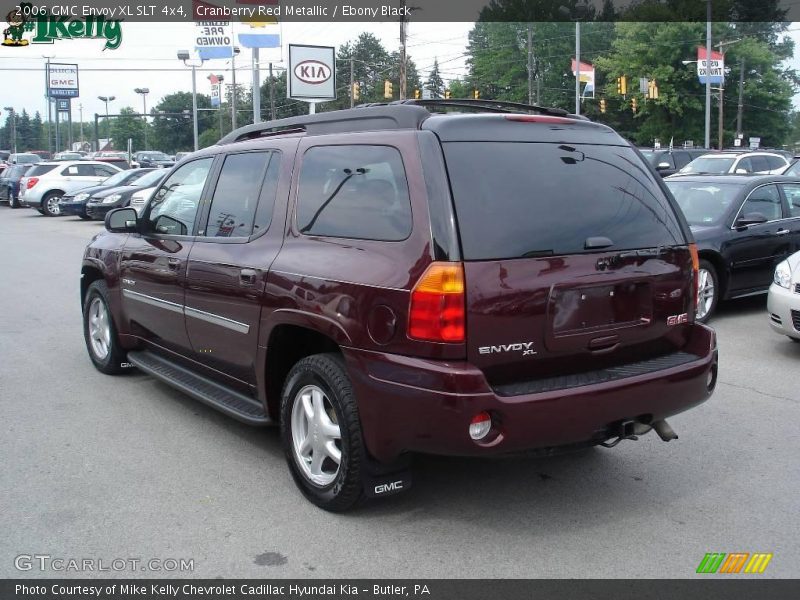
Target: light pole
x=10 y=109
x=233 y=95
x=107 y=99
x=184 y=56
x=143 y=92
x=49 y=102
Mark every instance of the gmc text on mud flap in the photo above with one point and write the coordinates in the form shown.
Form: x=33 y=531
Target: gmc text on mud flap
x=525 y=347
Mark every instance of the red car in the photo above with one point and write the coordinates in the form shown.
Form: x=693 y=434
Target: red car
x=385 y=280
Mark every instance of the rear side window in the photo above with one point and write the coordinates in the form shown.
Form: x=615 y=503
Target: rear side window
x=354 y=192
x=233 y=206
x=517 y=200
x=38 y=170
x=760 y=163
x=775 y=162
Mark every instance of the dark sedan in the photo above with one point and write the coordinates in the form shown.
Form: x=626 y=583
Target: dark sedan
x=75 y=203
x=668 y=162
x=100 y=203
x=9 y=183
x=153 y=159
x=744 y=226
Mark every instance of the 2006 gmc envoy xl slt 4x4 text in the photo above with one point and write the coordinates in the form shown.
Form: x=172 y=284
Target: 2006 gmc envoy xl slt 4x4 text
x=451 y=277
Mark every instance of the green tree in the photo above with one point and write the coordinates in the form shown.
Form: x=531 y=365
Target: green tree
x=284 y=107
x=25 y=132
x=172 y=121
x=435 y=83
x=128 y=125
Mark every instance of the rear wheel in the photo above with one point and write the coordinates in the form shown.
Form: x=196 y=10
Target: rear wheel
x=321 y=432
x=13 y=202
x=50 y=204
x=707 y=291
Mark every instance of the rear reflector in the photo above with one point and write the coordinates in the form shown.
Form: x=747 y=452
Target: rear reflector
x=540 y=119
x=437 y=304
x=695 y=271
x=480 y=426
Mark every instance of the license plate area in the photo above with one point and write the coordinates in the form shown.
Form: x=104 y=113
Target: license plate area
x=588 y=310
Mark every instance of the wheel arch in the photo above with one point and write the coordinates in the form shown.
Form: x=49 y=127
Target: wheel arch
x=723 y=275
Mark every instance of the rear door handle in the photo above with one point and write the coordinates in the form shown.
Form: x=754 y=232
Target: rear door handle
x=782 y=232
x=247 y=276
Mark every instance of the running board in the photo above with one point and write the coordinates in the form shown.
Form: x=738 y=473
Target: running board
x=232 y=403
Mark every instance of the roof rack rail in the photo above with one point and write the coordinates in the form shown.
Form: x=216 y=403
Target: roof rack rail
x=364 y=119
x=487 y=105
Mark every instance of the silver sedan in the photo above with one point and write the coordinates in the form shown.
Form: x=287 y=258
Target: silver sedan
x=783 y=303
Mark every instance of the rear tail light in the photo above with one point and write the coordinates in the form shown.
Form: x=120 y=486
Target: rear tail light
x=695 y=271
x=437 y=304
x=31 y=181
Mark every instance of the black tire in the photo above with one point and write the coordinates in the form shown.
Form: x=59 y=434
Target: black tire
x=47 y=207
x=712 y=307
x=328 y=373
x=12 y=201
x=115 y=360
x=84 y=217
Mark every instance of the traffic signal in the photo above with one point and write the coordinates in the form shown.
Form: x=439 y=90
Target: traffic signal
x=652 y=90
x=447 y=94
x=476 y=94
x=356 y=91
x=602 y=105
x=417 y=94
x=634 y=105
x=387 y=89
x=622 y=85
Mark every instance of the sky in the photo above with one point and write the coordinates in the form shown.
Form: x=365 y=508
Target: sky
x=148 y=58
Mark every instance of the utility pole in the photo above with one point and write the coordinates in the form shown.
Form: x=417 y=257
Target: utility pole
x=352 y=84
x=233 y=94
x=740 y=107
x=80 y=115
x=708 y=76
x=256 y=89
x=402 y=49
x=271 y=94
x=719 y=124
x=530 y=65
x=577 y=67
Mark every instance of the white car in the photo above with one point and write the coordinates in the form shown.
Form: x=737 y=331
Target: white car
x=46 y=182
x=743 y=163
x=783 y=301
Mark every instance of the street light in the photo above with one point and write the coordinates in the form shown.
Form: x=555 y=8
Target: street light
x=144 y=92
x=10 y=109
x=107 y=99
x=183 y=55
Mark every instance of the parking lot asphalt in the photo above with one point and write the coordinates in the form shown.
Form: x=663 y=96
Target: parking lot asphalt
x=102 y=467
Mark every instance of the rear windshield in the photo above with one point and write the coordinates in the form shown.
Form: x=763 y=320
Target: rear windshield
x=519 y=199
x=40 y=170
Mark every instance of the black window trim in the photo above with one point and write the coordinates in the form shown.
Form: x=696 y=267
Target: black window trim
x=296 y=193
x=205 y=209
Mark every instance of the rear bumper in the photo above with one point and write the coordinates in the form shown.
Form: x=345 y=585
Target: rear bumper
x=418 y=405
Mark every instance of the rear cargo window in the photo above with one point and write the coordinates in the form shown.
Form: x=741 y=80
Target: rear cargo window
x=516 y=200
x=38 y=170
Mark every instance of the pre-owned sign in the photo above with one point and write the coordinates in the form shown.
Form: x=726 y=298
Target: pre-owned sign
x=312 y=73
x=62 y=80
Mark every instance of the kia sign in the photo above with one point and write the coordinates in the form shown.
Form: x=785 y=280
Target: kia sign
x=312 y=73
x=62 y=80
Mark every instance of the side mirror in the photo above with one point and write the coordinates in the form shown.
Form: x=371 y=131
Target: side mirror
x=122 y=220
x=752 y=218
x=662 y=165
x=741 y=171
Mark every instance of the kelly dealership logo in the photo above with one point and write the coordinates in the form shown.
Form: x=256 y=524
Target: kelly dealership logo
x=47 y=28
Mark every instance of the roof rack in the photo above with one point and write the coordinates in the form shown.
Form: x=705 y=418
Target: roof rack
x=481 y=104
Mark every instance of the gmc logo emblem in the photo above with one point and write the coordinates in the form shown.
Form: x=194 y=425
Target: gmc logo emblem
x=677 y=319
x=312 y=71
x=388 y=487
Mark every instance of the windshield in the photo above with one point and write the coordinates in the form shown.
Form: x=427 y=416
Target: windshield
x=793 y=169
x=150 y=178
x=709 y=164
x=703 y=203
x=154 y=156
x=28 y=158
x=516 y=204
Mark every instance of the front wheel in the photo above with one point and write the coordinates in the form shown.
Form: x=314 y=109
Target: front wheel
x=50 y=204
x=12 y=201
x=321 y=432
x=707 y=291
x=99 y=332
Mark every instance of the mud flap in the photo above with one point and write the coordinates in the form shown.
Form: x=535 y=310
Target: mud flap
x=386 y=480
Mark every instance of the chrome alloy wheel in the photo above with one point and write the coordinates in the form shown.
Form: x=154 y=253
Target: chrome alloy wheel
x=316 y=437
x=99 y=329
x=53 y=205
x=705 y=293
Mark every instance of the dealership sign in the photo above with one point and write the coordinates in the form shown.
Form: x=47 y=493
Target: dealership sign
x=312 y=73
x=716 y=68
x=62 y=80
x=214 y=39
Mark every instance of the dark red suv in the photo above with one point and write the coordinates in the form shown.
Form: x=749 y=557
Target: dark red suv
x=388 y=280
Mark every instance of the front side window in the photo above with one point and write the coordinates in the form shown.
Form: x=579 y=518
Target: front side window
x=792 y=193
x=174 y=205
x=233 y=206
x=765 y=201
x=357 y=191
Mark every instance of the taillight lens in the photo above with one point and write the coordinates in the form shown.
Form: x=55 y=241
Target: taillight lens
x=437 y=304
x=695 y=271
x=32 y=181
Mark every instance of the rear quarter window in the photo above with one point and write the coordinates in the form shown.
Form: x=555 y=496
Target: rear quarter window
x=516 y=200
x=38 y=170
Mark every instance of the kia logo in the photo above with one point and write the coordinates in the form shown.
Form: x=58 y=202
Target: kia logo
x=312 y=71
